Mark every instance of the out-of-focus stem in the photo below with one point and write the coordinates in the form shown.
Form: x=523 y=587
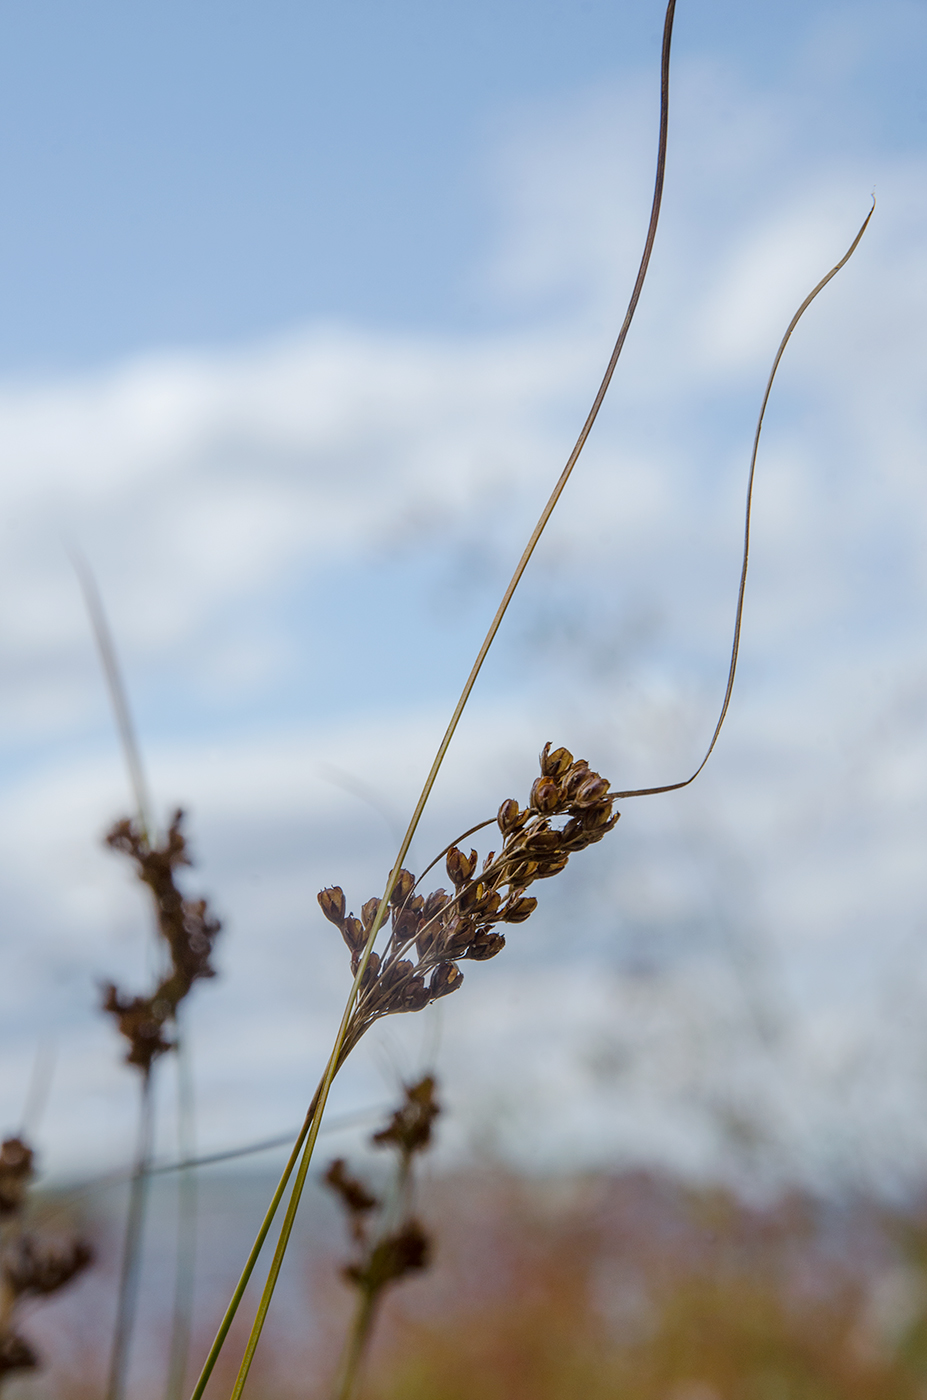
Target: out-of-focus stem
x=131 y=1252
x=361 y=1330
x=186 y=1225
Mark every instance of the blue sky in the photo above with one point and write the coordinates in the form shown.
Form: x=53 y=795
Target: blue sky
x=199 y=174
x=302 y=310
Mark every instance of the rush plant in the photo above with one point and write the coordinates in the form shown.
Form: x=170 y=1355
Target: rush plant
x=570 y=806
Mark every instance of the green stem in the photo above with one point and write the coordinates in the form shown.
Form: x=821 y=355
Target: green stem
x=252 y=1259
x=286 y=1228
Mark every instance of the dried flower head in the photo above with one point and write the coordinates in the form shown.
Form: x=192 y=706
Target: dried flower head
x=31 y=1266
x=409 y=1129
x=570 y=807
x=395 y=1250
x=34 y=1267
x=188 y=929
x=355 y=1199
x=403 y=1252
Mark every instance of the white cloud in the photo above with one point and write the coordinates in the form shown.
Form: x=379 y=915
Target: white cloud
x=301 y=540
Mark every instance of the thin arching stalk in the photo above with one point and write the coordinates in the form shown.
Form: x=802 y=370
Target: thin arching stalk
x=131 y=1250
x=748 y=513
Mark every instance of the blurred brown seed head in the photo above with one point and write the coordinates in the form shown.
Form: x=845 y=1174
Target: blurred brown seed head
x=33 y=1267
x=16 y=1167
x=187 y=927
x=409 y=1129
x=404 y=1252
x=15 y=1354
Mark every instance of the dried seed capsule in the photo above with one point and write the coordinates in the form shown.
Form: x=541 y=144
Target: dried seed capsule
x=459 y=936
x=406 y=923
x=469 y=896
x=369 y=910
x=352 y=931
x=603 y=830
x=402 y=988
x=332 y=904
x=590 y=791
x=552 y=865
x=415 y=996
x=446 y=978
x=485 y=945
x=517 y=910
x=405 y=883
x=487 y=906
x=599 y=819
x=545 y=794
x=578 y=774
x=543 y=841
x=460 y=867
x=572 y=837
x=508 y=816
x=434 y=904
x=426 y=940
x=395 y=973
x=373 y=969
x=554 y=765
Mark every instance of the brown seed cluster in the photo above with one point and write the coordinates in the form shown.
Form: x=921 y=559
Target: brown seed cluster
x=382 y=1258
x=188 y=929
x=31 y=1266
x=569 y=808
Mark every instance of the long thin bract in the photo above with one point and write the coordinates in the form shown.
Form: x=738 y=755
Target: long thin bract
x=741 y=591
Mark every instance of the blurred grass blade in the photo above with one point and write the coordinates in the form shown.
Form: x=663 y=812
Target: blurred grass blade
x=117 y=691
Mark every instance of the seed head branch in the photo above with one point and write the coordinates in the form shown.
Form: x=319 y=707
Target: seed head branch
x=440 y=929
